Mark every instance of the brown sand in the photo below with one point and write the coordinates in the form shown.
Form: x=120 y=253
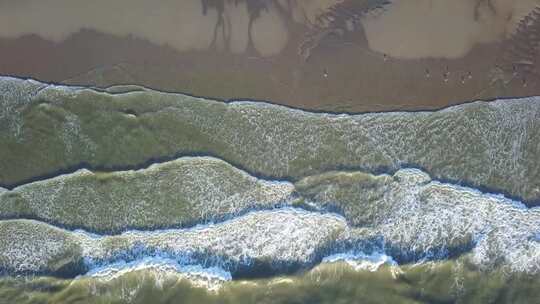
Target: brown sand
x=342 y=72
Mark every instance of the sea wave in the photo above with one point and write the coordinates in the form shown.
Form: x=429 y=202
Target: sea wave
x=478 y=144
x=284 y=190
x=210 y=278
x=488 y=231
x=361 y=261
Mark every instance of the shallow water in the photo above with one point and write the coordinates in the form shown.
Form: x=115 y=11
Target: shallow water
x=448 y=282
x=399 y=236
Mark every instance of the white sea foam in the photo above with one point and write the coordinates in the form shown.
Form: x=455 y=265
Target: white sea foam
x=285 y=234
x=289 y=235
x=422 y=220
x=362 y=261
x=209 y=277
x=435 y=219
x=278 y=281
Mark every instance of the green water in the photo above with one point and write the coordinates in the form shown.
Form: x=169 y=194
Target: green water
x=448 y=282
x=264 y=156
x=46 y=130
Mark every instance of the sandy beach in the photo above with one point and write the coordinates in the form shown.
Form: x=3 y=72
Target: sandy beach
x=349 y=64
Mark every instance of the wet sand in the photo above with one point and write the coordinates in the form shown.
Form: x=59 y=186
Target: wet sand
x=343 y=72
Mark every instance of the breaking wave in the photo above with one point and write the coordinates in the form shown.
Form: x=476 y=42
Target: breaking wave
x=287 y=190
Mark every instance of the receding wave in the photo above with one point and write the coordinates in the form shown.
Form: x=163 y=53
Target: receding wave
x=49 y=129
x=182 y=192
x=129 y=186
x=351 y=216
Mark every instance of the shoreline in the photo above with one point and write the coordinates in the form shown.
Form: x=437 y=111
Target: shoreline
x=358 y=81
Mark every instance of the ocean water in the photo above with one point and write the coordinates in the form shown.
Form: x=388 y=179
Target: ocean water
x=189 y=200
x=443 y=282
